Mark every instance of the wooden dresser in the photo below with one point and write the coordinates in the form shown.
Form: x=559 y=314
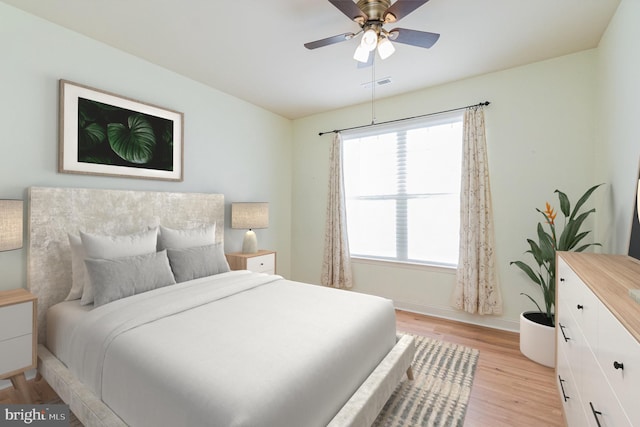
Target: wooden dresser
x=598 y=339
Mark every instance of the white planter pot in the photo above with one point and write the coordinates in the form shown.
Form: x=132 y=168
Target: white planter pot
x=537 y=341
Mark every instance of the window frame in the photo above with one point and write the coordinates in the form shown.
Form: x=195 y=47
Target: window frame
x=396 y=127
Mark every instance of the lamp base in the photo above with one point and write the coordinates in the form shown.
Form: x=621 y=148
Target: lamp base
x=250 y=243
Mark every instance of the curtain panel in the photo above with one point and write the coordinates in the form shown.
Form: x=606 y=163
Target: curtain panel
x=477 y=289
x=336 y=265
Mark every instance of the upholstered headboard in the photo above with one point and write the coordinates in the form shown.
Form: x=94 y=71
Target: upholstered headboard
x=55 y=212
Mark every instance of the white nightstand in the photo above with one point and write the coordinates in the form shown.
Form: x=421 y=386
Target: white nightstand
x=18 y=338
x=261 y=262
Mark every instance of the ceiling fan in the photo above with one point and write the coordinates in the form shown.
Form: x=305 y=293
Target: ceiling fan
x=371 y=16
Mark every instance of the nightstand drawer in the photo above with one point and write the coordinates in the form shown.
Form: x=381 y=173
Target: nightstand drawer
x=262 y=264
x=16 y=353
x=16 y=320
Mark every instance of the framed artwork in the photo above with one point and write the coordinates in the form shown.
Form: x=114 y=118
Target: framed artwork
x=105 y=134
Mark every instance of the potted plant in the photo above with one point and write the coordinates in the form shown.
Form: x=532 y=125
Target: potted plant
x=537 y=328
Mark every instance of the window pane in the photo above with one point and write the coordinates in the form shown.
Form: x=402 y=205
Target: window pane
x=372 y=229
x=433 y=225
x=372 y=166
x=434 y=158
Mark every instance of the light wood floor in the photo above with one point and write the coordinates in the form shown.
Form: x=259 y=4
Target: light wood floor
x=508 y=390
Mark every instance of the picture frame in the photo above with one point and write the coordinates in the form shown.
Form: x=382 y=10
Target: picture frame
x=101 y=133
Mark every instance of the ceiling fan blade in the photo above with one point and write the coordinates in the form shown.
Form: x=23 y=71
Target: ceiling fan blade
x=413 y=37
x=401 y=8
x=329 y=40
x=349 y=8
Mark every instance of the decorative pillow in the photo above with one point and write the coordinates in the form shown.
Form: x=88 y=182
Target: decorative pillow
x=201 y=261
x=170 y=238
x=117 y=278
x=78 y=270
x=107 y=247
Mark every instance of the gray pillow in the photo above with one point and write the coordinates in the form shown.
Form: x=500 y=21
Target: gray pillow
x=117 y=278
x=108 y=247
x=201 y=261
x=169 y=238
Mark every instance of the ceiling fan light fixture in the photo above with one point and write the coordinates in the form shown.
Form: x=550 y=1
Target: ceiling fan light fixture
x=385 y=48
x=369 y=40
x=361 y=54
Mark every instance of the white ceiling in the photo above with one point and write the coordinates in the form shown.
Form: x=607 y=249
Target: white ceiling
x=254 y=49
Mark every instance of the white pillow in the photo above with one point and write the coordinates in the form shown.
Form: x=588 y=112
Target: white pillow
x=78 y=270
x=170 y=238
x=108 y=247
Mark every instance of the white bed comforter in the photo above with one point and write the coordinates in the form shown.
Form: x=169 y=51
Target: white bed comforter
x=235 y=349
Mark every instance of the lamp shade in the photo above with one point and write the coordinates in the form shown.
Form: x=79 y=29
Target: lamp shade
x=250 y=215
x=369 y=40
x=385 y=48
x=11 y=224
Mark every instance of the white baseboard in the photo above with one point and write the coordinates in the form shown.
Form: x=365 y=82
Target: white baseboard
x=451 y=314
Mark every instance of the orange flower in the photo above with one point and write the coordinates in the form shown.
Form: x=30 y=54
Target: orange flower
x=550 y=214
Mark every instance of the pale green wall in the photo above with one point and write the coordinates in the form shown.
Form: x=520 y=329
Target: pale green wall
x=540 y=130
x=565 y=123
x=619 y=135
x=231 y=146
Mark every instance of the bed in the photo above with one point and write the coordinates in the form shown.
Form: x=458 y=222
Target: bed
x=234 y=348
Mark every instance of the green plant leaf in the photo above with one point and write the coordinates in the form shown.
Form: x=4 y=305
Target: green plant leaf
x=582 y=200
x=535 y=251
x=135 y=143
x=569 y=237
x=532 y=275
x=565 y=206
x=547 y=246
x=534 y=301
x=91 y=136
x=583 y=247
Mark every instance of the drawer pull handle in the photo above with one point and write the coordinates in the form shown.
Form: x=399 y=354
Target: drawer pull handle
x=579 y=306
x=566 y=338
x=618 y=365
x=564 y=395
x=595 y=414
x=562 y=279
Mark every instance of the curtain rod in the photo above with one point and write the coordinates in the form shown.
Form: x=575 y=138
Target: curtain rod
x=481 y=104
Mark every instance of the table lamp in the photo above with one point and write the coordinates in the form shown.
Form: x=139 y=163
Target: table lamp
x=250 y=216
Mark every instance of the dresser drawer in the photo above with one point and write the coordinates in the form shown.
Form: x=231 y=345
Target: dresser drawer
x=16 y=320
x=262 y=264
x=16 y=354
x=598 y=394
x=570 y=342
x=617 y=345
x=569 y=392
x=580 y=302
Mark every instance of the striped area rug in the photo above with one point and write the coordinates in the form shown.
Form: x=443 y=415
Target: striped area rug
x=438 y=396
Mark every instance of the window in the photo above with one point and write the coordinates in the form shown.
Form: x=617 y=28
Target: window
x=402 y=188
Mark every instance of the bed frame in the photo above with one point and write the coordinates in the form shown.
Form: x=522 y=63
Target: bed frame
x=55 y=212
